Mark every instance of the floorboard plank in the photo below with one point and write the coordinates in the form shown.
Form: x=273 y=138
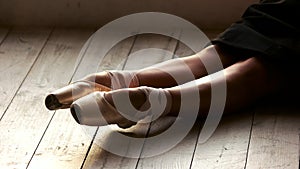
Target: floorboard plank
x=179 y=157
x=27 y=118
x=98 y=157
x=69 y=151
x=140 y=58
x=227 y=148
x=18 y=53
x=275 y=138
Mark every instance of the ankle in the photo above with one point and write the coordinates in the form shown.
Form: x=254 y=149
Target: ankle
x=102 y=78
x=114 y=79
x=122 y=79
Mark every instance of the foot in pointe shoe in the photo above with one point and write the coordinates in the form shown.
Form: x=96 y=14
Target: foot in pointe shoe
x=124 y=107
x=64 y=97
x=103 y=81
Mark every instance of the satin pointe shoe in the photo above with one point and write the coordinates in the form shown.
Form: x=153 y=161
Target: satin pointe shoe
x=95 y=110
x=103 y=81
x=64 y=97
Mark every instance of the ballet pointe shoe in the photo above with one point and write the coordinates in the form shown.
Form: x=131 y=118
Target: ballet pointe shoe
x=64 y=97
x=95 y=110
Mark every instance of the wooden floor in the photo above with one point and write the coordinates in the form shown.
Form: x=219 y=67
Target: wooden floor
x=36 y=61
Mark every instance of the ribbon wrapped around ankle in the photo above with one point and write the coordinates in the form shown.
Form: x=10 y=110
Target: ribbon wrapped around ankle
x=122 y=79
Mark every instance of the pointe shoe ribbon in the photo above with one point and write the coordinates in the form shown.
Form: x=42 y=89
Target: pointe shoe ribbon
x=122 y=79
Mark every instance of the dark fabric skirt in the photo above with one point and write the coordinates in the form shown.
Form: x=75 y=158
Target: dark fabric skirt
x=269 y=29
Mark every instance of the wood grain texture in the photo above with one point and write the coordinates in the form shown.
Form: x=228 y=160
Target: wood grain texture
x=98 y=157
x=27 y=118
x=59 y=147
x=275 y=138
x=69 y=151
x=18 y=52
x=227 y=147
x=179 y=156
x=143 y=52
x=92 y=62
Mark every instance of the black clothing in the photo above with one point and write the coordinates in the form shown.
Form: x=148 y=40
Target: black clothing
x=269 y=29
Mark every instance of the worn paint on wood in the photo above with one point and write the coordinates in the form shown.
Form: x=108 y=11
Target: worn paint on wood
x=18 y=52
x=275 y=138
x=26 y=119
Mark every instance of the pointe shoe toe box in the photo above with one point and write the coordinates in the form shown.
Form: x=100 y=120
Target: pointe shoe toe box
x=94 y=110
